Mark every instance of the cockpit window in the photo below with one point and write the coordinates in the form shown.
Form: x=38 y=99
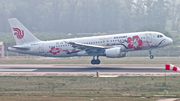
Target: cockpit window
x=159 y=36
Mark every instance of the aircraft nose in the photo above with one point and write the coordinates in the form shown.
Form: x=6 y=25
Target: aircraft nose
x=170 y=41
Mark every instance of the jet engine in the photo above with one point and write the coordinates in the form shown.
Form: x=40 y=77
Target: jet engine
x=115 y=53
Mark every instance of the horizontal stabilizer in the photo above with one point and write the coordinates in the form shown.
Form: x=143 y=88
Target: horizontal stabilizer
x=21 y=47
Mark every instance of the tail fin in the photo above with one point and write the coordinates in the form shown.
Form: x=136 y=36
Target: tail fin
x=21 y=33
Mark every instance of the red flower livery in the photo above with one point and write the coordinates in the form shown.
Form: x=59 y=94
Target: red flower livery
x=54 y=50
x=73 y=50
x=134 y=42
x=19 y=33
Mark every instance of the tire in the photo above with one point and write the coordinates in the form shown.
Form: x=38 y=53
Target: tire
x=98 y=61
x=93 y=62
x=151 y=56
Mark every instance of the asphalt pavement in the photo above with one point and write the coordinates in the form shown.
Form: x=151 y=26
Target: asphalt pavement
x=82 y=68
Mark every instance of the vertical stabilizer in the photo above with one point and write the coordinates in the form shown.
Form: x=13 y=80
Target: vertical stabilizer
x=21 y=33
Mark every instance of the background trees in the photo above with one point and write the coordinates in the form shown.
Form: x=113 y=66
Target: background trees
x=77 y=16
x=91 y=16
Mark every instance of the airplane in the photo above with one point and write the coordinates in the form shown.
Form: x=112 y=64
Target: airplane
x=111 y=46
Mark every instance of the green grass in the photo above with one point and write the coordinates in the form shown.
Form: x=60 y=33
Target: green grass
x=59 y=98
x=86 y=60
x=83 y=88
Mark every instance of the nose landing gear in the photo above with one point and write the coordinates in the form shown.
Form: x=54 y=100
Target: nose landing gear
x=97 y=61
x=151 y=56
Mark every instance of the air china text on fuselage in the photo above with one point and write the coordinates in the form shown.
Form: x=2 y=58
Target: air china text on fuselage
x=111 y=46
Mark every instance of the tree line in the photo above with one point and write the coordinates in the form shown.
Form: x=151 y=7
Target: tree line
x=89 y=16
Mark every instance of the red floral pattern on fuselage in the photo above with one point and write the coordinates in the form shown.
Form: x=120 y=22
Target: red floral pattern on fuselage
x=134 y=42
x=73 y=50
x=54 y=50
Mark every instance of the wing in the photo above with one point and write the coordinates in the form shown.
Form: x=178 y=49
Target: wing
x=90 y=49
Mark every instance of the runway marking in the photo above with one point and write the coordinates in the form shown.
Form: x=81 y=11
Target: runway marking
x=17 y=70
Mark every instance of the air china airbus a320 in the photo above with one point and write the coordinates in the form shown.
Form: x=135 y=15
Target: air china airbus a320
x=111 y=46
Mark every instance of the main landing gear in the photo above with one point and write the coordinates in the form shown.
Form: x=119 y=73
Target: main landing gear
x=151 y=56
x=97 y=61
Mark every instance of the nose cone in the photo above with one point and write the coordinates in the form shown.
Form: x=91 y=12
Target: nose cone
x=169 y=41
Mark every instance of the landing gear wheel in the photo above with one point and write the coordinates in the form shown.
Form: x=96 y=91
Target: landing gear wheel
x=98 y=61
x=151 y=56
x=93 y=61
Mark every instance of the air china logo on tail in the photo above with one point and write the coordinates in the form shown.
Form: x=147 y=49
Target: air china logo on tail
x=19 y=33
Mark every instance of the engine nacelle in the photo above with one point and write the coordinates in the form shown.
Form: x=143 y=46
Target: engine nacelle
x=115 y=53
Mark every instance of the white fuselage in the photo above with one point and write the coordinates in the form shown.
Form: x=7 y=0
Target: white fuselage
x=127 y=42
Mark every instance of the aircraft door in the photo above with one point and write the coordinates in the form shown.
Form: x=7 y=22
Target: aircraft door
x=107 y=41
x=149 y=37
x=41 y=47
